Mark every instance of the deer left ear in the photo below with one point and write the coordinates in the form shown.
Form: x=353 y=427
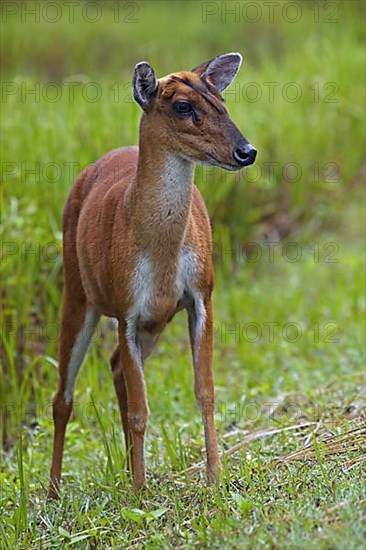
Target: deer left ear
x=220 y=70
x=144 y=84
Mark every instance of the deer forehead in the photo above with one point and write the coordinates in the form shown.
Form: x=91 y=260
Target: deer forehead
x=187 y=84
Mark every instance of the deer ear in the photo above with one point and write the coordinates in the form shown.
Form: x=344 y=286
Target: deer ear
x=221 y=70
x=144 y=84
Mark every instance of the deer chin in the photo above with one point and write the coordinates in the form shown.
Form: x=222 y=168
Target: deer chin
x=213 y=161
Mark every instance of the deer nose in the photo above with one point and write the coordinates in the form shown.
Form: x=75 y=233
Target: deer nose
x=244 y=154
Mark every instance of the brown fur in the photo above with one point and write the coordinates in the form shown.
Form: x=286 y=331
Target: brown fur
x=113 y=215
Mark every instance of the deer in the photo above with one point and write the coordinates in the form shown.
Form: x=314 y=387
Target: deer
x=137 y=247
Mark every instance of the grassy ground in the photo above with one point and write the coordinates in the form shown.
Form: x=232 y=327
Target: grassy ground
x=289 y=336
x=297 y=389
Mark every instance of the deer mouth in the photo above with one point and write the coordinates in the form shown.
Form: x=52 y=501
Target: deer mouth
x=225 y=165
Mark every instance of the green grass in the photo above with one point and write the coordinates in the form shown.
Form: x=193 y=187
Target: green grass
x=289 y=335
x=314 y=502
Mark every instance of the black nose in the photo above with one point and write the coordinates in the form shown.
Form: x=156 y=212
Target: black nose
x=244 y=154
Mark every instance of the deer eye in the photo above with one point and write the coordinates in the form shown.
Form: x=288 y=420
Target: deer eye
x=183 y=108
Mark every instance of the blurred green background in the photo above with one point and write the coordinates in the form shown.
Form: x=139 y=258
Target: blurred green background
x=299 y=97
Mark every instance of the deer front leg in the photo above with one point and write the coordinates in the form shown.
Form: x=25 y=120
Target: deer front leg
x=200 y=330
x=137 y=407
x=120 y=387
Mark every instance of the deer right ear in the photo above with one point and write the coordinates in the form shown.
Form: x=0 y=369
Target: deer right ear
x=144 y=84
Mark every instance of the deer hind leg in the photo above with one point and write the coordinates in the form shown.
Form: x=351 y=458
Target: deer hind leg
x=121 y=391
x=77 y=327
x=200 y=330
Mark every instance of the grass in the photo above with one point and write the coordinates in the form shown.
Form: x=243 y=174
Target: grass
x=289 y=335
x=275 y=397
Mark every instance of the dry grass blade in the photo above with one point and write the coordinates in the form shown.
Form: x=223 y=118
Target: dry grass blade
x=332 y=445
x=355 y=462
x=312 y=433
x=254 y=436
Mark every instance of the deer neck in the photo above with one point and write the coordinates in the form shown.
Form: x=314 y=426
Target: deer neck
x=161 y=196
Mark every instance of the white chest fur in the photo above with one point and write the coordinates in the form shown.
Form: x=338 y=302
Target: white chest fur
x=144 y=300
x=145 y=278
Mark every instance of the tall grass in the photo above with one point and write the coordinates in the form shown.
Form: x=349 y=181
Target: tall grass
x=299 y=98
